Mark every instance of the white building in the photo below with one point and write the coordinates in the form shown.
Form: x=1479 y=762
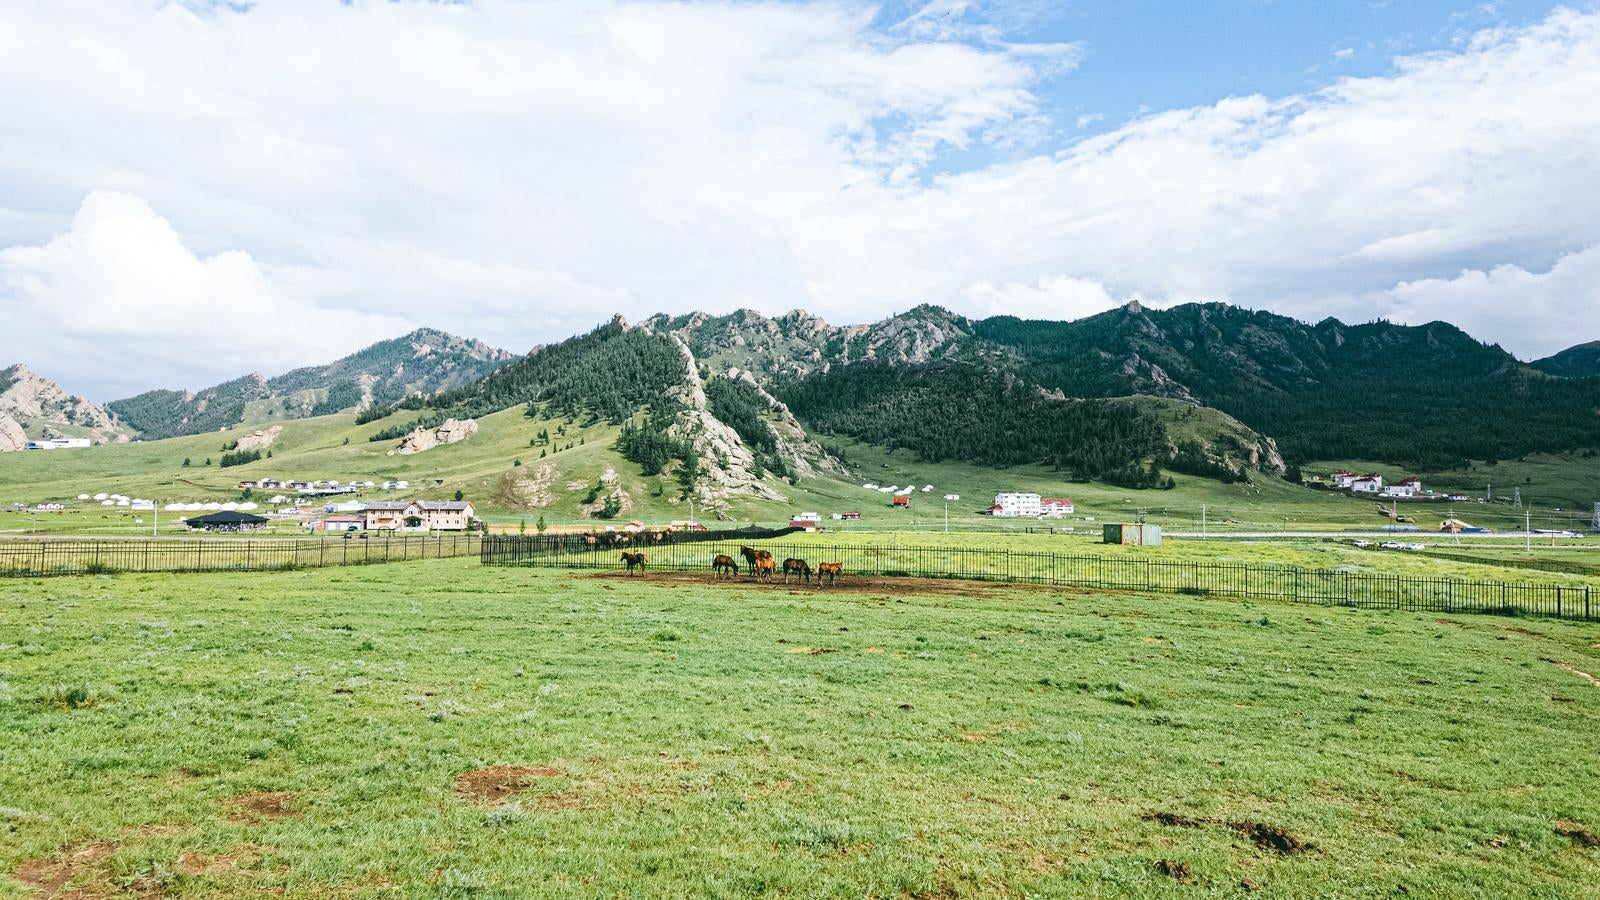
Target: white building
x=1411 y=487
x=1055 y=507
x=1013 y=504
x=1366 y=484
x=58 y=444
x=808 y=517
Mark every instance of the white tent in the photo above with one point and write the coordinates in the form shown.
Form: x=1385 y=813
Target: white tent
x=102 y=496
x=246 y=507
x=83 y=496
x=108 y=503
x=173 y=507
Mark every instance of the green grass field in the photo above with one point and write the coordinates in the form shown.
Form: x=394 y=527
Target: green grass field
x=332 y=447
x=307 y=733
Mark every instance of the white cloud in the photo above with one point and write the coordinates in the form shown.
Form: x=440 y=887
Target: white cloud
x=519 y=171
x=1558 y=307
x=1060 y=297
x=118 y=297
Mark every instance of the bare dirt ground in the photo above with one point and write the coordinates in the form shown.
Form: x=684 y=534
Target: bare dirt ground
x=873 y=584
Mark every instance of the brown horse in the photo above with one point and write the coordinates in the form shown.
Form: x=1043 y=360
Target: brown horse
x=751 y=555
x=724 y=564
x=831 y=570
x=764 y=567
x=798 y=567
x=634 y=561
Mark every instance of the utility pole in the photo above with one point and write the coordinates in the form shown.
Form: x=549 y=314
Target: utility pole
x=1595 y=522
x=1527 y=528
x=155 y=517
x=1203 y=521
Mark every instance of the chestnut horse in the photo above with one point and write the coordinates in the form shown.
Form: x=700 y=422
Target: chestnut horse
x=831 y=570
x=634 y=560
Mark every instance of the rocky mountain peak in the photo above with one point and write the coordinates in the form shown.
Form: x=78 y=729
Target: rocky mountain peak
x=35 y=404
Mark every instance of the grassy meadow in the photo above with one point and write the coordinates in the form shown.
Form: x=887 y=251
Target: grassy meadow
x=482 y=468
x=442 y=729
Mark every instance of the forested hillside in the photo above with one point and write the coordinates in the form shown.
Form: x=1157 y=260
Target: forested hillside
x=1428 y=396
x=609 y=373
x=163 y=414
x=957 y=411
x=1582 y=361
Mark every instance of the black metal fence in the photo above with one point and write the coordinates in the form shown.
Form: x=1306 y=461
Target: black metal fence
x=85 y=556
x=1333 y=587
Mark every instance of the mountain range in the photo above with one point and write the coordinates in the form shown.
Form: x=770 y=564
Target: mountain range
x=735 y=400
x=423 y=361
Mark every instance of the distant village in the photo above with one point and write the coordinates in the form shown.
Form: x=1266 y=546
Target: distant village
x=1371 y=484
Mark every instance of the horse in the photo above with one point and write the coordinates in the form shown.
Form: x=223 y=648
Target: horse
x=634 y=560
x=765 y=566
x=798 y=567
x=831 y=570
x=724 y=564
x=750 y=555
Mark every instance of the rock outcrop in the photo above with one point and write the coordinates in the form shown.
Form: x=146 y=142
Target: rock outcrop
x=424 y=439
x=12 y=437
x=36 y=403
x=260 y=439
x=522 y=489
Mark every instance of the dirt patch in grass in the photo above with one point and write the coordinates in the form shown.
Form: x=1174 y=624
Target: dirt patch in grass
x=1580 y=834
x=51 y=877
x=1177 y=871
x=811 y=651
x=1267 y=837
x=496 y=784
x=856 y=584
x=1567 y=667
x=1271 y=837
x=1174 y=820
x=263 y=805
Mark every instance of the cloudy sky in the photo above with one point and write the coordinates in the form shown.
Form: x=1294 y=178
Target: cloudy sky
x=193 y=190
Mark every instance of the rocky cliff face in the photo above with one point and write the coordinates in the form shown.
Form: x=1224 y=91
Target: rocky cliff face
x=727 y=465
x=12 y=437
x=38 y=405
x=798 y=343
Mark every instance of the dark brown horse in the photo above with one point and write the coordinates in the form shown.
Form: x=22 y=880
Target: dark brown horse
x=634 y=561
x=724 y=565
x=751 y=556
x=797 y=567
x=831 y=570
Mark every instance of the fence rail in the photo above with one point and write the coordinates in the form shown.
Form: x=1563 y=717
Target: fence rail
x=1332 y=587
x=73 y=556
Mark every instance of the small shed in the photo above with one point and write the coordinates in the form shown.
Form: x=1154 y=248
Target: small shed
x=1136 y=533
x=226 y=520
x=901 y=501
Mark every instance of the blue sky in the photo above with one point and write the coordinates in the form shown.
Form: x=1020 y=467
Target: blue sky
x=319 y=175
x=1146 y=55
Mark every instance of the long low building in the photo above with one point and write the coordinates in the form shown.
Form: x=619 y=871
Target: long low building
x=420 y=515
